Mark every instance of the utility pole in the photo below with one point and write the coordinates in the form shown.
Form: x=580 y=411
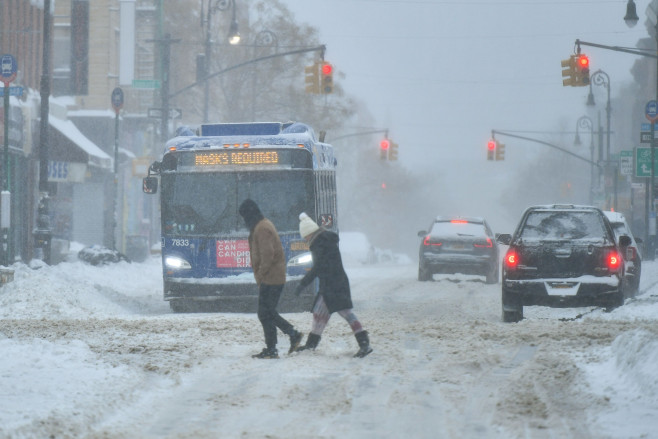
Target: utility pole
x=165 y=52
x=42 y=233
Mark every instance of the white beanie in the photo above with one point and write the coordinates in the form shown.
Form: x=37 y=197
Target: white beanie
x=306 y=225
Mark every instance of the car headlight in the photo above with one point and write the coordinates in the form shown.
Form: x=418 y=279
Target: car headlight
x=304 y=259
x=177 y=263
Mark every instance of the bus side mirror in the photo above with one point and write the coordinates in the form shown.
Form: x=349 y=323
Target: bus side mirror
x=150 y=185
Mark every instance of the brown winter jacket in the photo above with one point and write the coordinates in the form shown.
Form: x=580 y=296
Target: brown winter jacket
x=267 y=257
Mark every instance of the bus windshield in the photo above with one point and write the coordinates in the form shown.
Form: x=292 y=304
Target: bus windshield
x=207 y=203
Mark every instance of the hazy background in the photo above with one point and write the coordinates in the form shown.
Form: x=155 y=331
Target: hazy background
x=440 y=75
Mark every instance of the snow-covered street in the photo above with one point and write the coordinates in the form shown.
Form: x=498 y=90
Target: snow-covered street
x=94 y=352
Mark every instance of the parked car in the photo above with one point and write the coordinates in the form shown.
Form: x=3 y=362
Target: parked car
x=458 y=245
x=633 y=253
x=562 y=256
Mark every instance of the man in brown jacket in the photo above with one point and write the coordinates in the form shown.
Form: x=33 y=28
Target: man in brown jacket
x=269 y=264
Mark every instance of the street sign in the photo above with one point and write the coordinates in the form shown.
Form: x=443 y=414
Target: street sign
x=651 y=111
x=146 y=83
x=643 y=163
x=645 y=136
x=117 y=99
x=175 y=113
x=626 y=162
x=156 y=113
x=13 y=91
x=8 y=68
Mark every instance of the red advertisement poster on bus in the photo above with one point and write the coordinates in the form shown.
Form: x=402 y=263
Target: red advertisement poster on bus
x=233 y=254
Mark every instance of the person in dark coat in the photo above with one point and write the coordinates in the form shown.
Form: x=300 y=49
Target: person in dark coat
x=334 y=293
x=269 y=264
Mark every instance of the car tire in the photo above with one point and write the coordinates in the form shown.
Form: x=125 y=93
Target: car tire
x=636 y=285
x=492 y=275
x=614 y=301
x=423 y=275
x=512 y=308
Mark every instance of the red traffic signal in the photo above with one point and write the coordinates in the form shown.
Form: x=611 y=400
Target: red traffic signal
x=384 y=144
x=583 y=62
x=327 y=69
x=491 y=149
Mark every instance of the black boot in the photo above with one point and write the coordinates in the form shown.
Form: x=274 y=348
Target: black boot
x=364 y=344
x=295 y=340
x=269 y=353
x=311 y=342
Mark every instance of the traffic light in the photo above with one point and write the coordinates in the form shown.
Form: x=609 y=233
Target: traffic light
x=392 y=151
x=312 y=78
x=569 y=71
x=384 y=145
x=327 y=75
x=491 y=149
x=500 y=151
x=582 y=71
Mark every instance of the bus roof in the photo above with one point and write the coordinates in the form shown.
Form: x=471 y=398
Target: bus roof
x=252 y=136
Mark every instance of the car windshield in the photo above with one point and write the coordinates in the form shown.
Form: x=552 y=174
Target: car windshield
x=548 y=225
x=457 y=228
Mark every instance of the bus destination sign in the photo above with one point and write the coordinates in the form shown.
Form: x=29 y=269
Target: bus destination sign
x=237 y=158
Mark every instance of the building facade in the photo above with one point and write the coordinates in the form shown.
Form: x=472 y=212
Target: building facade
x=96 y=46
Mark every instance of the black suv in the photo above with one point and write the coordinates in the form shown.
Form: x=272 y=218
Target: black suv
x=562 y=256
x=458 y=245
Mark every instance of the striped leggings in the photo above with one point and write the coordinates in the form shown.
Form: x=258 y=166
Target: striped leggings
x=321 y=317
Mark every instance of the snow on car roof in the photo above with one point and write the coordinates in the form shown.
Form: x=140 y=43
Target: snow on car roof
x=615 y=217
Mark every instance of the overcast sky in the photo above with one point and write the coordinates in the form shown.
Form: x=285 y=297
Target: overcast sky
x=441 y=74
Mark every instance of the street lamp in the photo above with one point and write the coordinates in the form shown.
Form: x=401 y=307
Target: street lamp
x=631 y=17
x=267 y=38
x=601 y=78
x=585 y=122
x=264 y=38
x=233 y=38
x=631 y=20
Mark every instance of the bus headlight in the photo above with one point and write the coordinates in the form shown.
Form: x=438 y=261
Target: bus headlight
x=177 y=263
x=302 y=260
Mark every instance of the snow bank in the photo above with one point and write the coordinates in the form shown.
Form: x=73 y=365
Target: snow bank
x=626 y=380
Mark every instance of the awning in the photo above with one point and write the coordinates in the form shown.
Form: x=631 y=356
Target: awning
x=68 y=144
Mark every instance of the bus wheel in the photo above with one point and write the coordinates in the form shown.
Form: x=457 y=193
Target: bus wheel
x=178 y=306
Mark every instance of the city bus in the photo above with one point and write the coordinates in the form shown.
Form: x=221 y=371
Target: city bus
x=204 y=176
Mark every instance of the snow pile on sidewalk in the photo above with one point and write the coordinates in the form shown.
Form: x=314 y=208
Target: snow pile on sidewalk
x=626 y=379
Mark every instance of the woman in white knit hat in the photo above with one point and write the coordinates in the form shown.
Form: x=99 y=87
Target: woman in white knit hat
x=334 y=293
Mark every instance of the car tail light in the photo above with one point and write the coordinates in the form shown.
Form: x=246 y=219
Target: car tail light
x=511 y=259
x=456 y=221
x=613 y=261
x=427 y=242
x=487 y=244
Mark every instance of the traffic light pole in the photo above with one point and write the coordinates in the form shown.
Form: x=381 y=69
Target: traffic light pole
x=617 y=49
x=361 y=133
x=566 y=151
x=321 y=48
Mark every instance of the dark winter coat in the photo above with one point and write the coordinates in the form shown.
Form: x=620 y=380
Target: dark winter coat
x=328 y=267
x=267 y=257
